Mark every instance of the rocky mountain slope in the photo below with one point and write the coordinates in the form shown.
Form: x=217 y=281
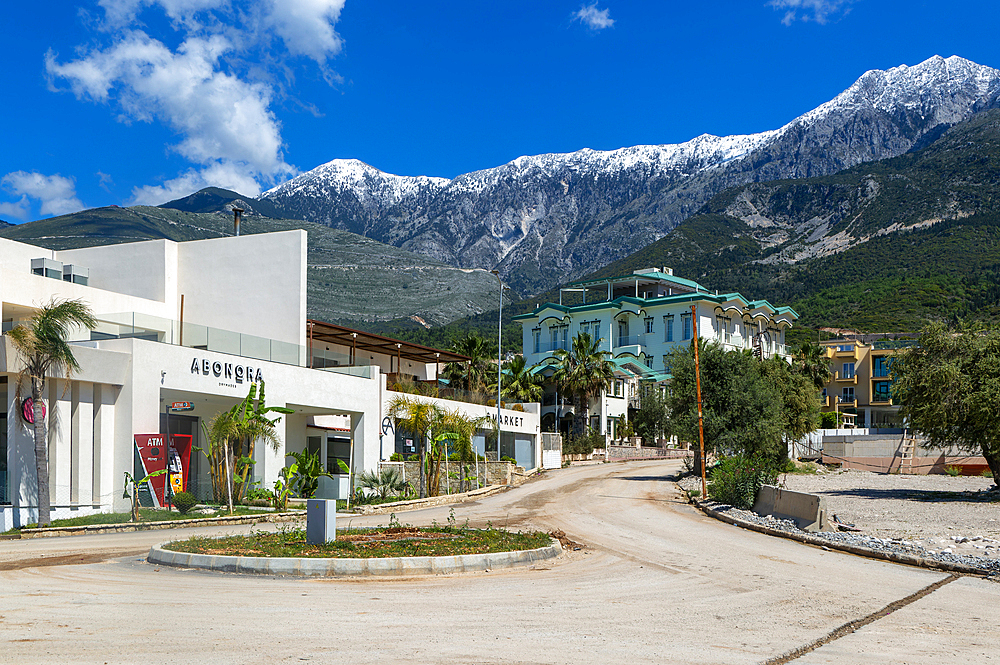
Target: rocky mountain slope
x=882 y=246
x=352 y=280
x=547 y=219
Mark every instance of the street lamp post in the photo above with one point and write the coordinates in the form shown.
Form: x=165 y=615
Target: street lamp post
x=496 y=273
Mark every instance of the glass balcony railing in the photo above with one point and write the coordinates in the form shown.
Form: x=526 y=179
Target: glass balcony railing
x=549 y=347
x=630 y=340
x=166 y=331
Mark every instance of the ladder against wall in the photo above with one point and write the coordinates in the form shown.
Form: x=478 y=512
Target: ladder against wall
x=907 y=447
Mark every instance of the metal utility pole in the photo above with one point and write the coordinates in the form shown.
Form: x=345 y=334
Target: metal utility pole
x=496 y=273
x=697 y=381
x=237 y=216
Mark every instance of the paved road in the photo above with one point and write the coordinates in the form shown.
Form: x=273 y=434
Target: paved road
x=656 y=581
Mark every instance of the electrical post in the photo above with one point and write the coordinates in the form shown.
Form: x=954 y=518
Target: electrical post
x=697 y=380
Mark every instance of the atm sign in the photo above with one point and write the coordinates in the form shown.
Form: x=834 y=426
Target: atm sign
x=182 y=406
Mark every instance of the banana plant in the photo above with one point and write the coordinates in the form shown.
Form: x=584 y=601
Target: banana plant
x=134 y=495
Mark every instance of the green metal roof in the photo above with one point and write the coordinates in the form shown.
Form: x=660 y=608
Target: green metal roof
x=661 y=276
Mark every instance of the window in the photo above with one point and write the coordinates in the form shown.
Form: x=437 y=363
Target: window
x=564 y=334
x=848 y=395
x=686 y=333
x=882 y=366
x=536 y=340
x=649 y=362
x=337 y=449
x=585 y=328
x=553 y=338
x=618 y=388
x=882 y=391
x=649 y=325
x=623 y=327
x=668 y=328
x=848 y=371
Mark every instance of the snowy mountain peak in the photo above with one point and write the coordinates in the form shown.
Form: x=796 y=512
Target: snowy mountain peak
x=545 y=219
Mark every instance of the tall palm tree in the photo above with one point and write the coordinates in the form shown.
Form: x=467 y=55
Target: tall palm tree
x=812 y=362
x=417 y=417
x=519 y=383
x=473 y=375
x=582 y=372
x=455 y=430
x=42 y=345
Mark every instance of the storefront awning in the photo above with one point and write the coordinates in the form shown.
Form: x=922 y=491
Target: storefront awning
x=330 y=333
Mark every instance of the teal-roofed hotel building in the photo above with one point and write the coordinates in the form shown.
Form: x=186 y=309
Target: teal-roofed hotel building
x=639 y=319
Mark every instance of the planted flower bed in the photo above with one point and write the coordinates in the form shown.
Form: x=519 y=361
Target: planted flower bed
x=380 y=542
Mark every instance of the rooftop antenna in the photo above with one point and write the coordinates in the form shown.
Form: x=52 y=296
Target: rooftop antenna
x=237 y=216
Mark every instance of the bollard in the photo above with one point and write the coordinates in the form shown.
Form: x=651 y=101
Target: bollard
x=321 y=521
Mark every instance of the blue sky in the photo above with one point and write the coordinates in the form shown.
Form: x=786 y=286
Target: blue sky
x=141 y=101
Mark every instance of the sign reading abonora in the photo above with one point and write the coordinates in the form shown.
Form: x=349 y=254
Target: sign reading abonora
x=227 y=371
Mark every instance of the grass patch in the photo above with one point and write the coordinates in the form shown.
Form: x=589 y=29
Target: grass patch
x=394 y=541
x=145 y=515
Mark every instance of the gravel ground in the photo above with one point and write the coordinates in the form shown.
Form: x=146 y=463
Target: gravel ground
x=940 y=517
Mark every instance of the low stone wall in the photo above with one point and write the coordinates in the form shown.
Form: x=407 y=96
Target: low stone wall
x=430 y=502
x=881 y=452
x=644 y=452
x=490 y=473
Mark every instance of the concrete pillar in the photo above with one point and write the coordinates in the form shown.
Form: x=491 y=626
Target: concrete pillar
x=82 y=428
x=103 y=491
x=270 y=461
x=59 y=423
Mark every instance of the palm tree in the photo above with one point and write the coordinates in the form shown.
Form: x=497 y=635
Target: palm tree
x=812 y=362
x=241 y=427
x=42 y=344
x=454 y=430
x=474 y=374
x=519 y=383
x=583 y=371
x=417 y=417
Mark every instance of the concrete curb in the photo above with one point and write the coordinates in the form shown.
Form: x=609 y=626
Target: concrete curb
x=432 y=501
x=387 y=567
x=51 y=532
x=808 y=539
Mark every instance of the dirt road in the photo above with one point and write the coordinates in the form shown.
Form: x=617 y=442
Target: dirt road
x=656 y=581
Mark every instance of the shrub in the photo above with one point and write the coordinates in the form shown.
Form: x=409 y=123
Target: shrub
x=737 y=480
x=396 y=457
x=953 y=470
x=185 y=501
x=507 y=458
x=828 y=420
x=987 y=474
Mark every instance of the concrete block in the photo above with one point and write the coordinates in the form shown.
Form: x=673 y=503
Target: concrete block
x=383 y=567
x=808 y=511
x=307 y=566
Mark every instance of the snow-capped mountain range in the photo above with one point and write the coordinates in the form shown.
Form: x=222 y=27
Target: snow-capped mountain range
x=546 y=219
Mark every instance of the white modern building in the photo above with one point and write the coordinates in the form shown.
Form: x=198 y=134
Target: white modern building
x=639 y=319
x=195 y=322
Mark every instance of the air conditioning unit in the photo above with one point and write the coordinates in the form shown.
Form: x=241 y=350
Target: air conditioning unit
x=76 y=274
x=47 y=268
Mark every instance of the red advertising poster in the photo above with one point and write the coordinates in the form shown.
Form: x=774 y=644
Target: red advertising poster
x=151 y=456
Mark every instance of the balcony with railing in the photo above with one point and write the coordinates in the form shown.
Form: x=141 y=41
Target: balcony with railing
x=630 y=340
x=847 y=400
x=847 y=351
x=853 y=378
x=550 y=347
x=135 y=325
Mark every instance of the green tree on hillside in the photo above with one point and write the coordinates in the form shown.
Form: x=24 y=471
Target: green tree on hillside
x=949 y=388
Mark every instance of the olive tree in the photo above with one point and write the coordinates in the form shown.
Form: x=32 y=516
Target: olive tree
x=949 y=388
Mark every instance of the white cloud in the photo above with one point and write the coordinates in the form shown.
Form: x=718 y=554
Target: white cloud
x=819 y=11
x=220 y=174
x=56 y=193
x=306 y=26
x=594 y=18
x=215 y=89
x=19 y=210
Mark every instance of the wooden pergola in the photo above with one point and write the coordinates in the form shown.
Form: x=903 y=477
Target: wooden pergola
x=359 y=340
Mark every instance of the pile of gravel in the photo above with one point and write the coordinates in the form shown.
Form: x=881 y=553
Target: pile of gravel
x=978 y=551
